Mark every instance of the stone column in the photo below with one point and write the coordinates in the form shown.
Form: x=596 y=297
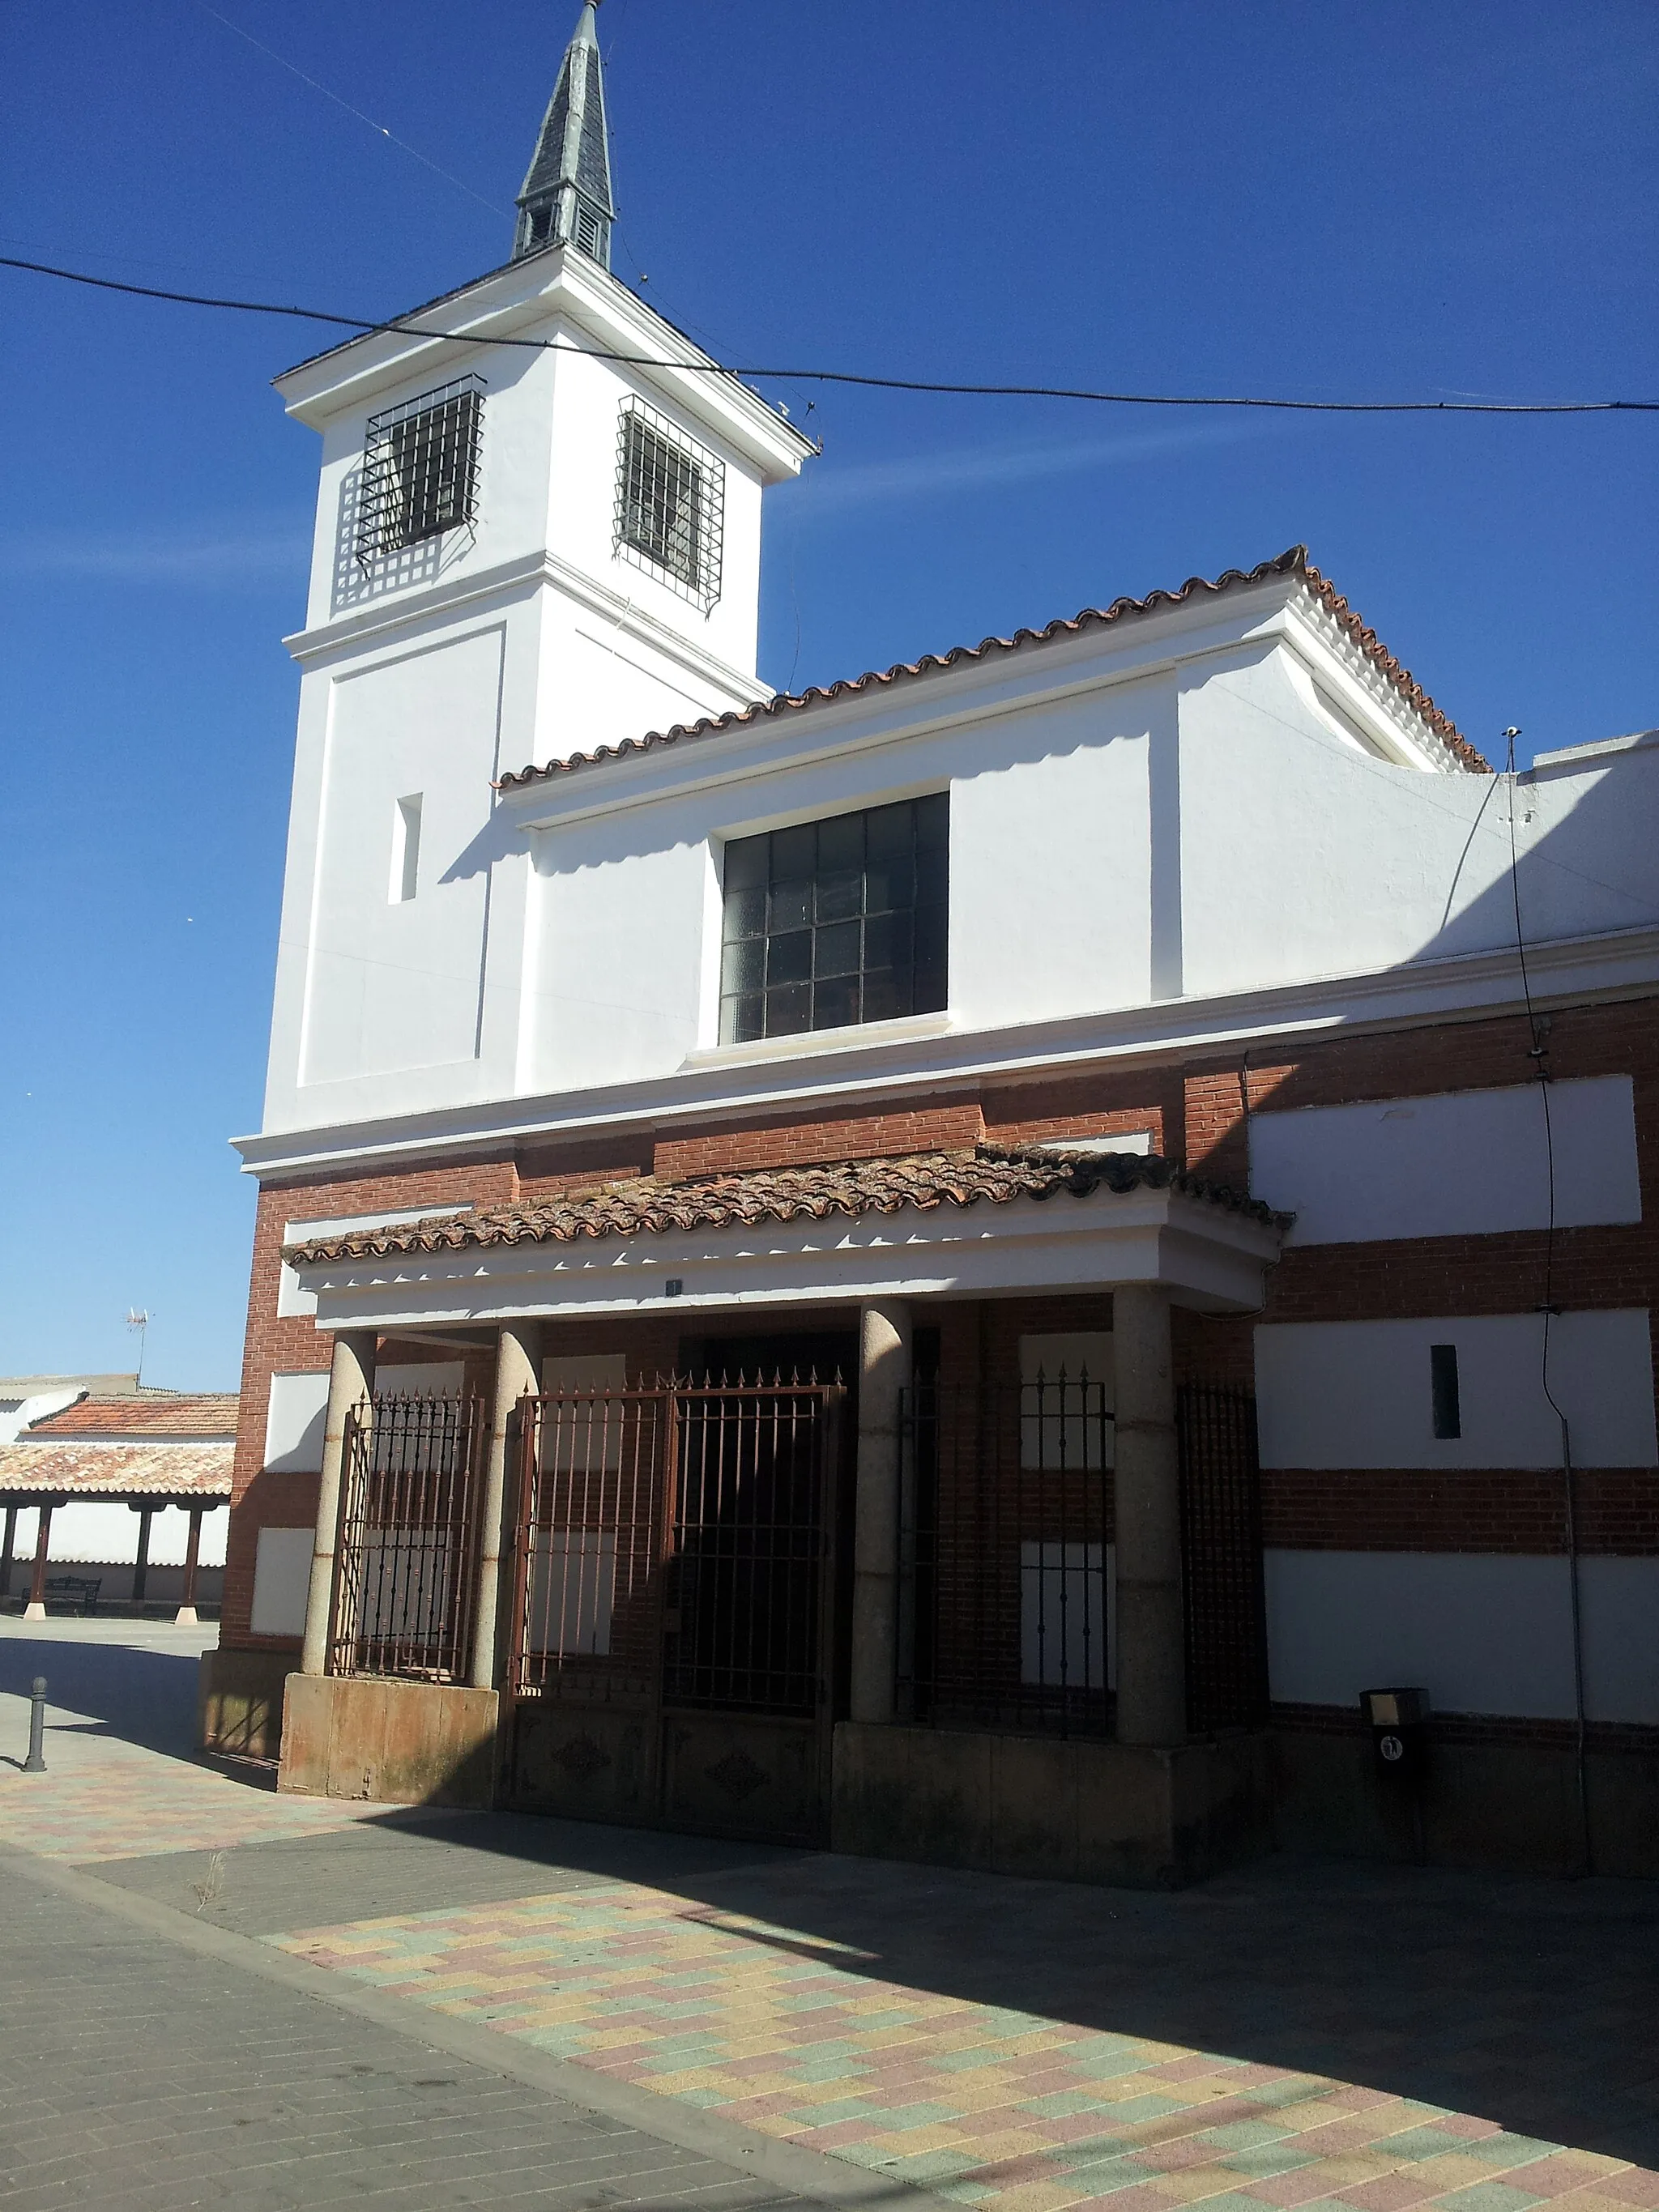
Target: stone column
x=1151 y=1673
x=140 y=1564
x=350 y=1382
x=36 y=1607
x=884 y=1372
x=186 y=1616
x=517 y=1371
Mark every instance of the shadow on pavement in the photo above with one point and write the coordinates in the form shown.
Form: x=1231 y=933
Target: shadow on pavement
x=125 y=1691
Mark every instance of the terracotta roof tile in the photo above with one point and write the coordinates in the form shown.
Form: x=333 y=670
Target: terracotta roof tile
x=188 y=1414
x=1293 y=563
x=90 y=1469
x=646 y=1204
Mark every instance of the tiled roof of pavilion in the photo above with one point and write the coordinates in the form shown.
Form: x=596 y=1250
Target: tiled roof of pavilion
x=95 y=1469
x=991 y=1175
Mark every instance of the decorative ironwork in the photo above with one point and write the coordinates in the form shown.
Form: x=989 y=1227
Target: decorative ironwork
x=582 y=1758
x=420 y=470
x=406 y=1555
x=1005 y=1616
x=1221 y=1544
x=671 y=505
x=675 y=1545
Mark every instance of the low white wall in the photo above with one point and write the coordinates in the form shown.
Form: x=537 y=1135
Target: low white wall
x=93 y=1532
x=1481 y=1634
x=1355 y=1394
x=1470 y=1163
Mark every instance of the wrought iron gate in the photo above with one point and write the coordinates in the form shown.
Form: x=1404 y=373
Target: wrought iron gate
x=671 y=1651
x=1221 y=1558
x=406 y=1555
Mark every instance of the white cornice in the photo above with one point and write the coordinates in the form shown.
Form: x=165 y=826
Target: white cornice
x=1470 y=987
x=512 y=579
x=510 y=302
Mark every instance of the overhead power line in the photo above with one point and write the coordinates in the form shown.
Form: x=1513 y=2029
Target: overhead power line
x=367 y=325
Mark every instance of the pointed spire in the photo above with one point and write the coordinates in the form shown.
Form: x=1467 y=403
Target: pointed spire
x=566 y=195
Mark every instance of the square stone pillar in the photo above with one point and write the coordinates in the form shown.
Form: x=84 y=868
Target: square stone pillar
x=350 y=1384
x=1152 y=1656
x=518 y=1375
x=884 y=1367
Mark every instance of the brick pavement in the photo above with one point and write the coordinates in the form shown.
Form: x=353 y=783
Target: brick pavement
x=1379 y=2039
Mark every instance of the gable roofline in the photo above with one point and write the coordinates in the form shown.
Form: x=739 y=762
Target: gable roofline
x=1293 y=564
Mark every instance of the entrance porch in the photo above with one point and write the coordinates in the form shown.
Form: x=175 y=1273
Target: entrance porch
x=950 y=1571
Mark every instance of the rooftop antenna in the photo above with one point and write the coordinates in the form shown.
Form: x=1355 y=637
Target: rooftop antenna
x=138 y=1318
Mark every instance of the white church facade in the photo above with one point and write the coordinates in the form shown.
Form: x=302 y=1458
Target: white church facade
x=959 y=1265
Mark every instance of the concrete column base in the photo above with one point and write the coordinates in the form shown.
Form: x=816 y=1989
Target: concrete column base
x=1127 y=1813
x=35 y=1610
x=388 y=1743
x=238 y=1702
x=186 y=1617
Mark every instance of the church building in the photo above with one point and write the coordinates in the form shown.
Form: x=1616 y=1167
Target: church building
x=1040 y=1259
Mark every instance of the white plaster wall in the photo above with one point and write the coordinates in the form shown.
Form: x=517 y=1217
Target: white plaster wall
x=281 y=1578
x=1356 y=1393
x=294 y=1423
x=1467 y=1162
x=84 y=1532
x=395 y=983
x=1482 y=1633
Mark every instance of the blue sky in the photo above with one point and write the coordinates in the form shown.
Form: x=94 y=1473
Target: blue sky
x=1405 y=200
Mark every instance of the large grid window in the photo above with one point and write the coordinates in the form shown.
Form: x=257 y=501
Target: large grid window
x=420 y=468
x=670 y=497
x=836 y=921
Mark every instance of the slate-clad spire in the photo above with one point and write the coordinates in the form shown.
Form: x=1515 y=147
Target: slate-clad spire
x=565 y=196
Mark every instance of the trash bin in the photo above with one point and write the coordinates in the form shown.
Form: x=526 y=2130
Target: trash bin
x=1396 y=1719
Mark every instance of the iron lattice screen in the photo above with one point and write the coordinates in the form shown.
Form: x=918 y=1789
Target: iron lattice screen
x=420 y=474
x=1221 y=1546
x=406 y=1556
x=675 y=1545
x=671 y=505
x=1005 y=1616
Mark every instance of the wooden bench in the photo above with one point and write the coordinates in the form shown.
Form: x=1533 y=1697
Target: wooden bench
x=85 y=1588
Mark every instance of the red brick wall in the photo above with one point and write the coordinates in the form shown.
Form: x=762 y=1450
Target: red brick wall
x=805 y=1139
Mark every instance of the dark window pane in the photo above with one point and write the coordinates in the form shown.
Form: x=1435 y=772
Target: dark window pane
x=933 y=821
x=887 y=941
x=932 y=877
x=887 y=884
x=789 y=959
x=834 y=1004
x=886 y=994
x=743 y=966
x=930 y=960
x=746 y=913
x=791 y=906
x=794 y=853
x=839 y=896
x=841 y=843
x=889 y=830
x=835 y=951
x=745 y=863
x=789 y=1010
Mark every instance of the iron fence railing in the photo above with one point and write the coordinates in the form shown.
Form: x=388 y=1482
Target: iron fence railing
x=1221 y=1558
x=406 y=1556
x=675 y=1545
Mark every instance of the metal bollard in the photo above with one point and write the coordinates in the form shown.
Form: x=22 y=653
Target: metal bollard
x=34 y=1764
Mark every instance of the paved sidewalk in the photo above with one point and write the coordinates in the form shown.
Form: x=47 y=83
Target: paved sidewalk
x=1314 y=2035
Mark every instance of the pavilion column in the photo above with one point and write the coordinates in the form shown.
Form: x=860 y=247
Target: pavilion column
x=1152 y=1688
x=6 y=1551
x=140 y=1564
x=186 y=1616
x=884 y=1362
x=350 y=1382
x=36 y=1607
x=518 y=1375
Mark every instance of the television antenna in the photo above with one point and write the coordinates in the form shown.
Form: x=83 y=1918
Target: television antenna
x=138 y=1318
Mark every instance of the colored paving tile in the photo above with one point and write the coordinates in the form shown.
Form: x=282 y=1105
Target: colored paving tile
x=111 y=1803
x=981 y=2104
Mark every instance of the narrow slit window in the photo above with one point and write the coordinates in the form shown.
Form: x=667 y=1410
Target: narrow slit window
x=405 y=849
x=1443 y=1390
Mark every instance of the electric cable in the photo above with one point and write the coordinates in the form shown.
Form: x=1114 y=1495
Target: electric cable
x=1538 y=1052
x=367 y=326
